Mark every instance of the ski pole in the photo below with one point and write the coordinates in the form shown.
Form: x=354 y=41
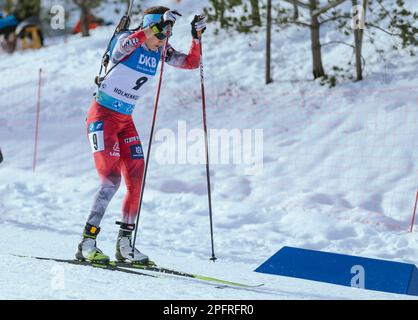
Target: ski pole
x=213 y=258
x=157 y=98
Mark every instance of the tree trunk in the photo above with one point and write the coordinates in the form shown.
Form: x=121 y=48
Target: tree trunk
x=362 y=30
x=255 y=15
x=318 y=68
x=268 y=44
x=84 y=19
x=357 y=45
x=358 y=41
x=295 y=11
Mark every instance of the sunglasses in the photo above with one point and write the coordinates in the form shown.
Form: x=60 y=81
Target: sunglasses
x=162 y=35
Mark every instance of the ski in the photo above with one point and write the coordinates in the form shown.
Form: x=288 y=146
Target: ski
x=127 y=267
x=154 y=268
x=110 y=266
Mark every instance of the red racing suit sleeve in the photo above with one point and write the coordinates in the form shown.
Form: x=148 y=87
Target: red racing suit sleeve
x=126 y=44
x=184 y=61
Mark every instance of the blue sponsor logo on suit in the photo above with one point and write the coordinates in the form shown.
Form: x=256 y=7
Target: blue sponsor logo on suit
x=96 y=126
x=137 y=152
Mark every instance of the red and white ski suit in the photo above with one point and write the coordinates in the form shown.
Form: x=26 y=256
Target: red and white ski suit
x=113 y=137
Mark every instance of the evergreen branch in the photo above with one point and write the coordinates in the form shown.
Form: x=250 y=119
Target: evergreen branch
x=384 y=9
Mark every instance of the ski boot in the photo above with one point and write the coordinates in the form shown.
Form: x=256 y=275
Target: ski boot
x=124 y=246
x=87 y=249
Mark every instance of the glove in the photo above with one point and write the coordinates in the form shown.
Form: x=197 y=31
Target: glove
x=198 y=25
x=169 y=18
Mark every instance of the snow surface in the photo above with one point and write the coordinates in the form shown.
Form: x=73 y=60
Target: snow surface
x=339 y=169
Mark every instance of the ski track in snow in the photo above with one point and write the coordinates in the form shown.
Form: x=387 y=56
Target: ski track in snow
x=339 y=170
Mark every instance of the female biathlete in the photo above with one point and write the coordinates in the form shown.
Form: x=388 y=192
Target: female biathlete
x=113 y=137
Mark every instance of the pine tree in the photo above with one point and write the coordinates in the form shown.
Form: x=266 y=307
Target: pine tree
x=225 y=12
x=290 y=15
x=24 y=9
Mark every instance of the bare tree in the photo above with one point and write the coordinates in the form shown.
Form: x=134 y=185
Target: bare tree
x=315 y=10
x=318 y=68
x=85 y=12
x=295 y=11
x=358 y=25
x=268 y=44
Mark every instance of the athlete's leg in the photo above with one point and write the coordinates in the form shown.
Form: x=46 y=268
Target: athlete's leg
x=132 y=165
x=103 y=136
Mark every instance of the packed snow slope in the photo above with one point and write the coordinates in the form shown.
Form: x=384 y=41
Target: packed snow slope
x=339 y=169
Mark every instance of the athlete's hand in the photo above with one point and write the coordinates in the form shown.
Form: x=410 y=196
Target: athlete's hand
x=198 y=25
x=169 y=17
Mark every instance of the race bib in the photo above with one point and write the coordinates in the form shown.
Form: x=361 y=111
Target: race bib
x=96 y=136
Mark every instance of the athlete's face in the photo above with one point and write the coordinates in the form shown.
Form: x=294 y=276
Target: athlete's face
x=154 y=43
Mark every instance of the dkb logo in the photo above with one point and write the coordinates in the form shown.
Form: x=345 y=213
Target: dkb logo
x=148 y=61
